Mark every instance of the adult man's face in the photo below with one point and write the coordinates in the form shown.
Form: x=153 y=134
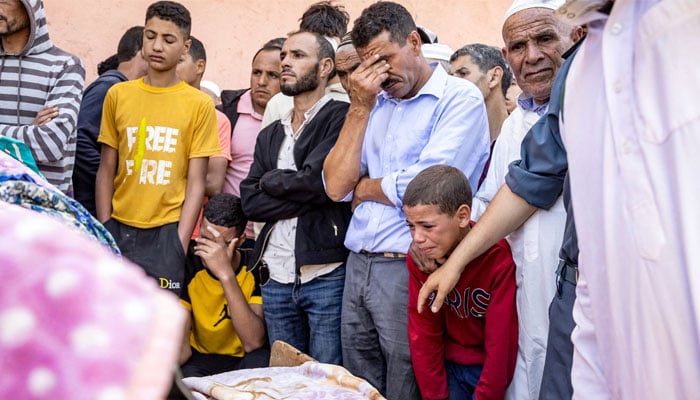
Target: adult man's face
x=404 y=71
x=300 y=64
x=264 y=78
x=346 y=62
x=535 y=41
x=13 y=17
x=465 y=68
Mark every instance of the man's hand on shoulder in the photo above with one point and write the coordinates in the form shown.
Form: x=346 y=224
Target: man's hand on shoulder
x=425 y=264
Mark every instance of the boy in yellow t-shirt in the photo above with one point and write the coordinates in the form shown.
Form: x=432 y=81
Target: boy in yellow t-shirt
x=157 y=134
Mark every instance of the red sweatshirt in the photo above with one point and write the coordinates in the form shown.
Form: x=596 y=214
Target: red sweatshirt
x=478 y=324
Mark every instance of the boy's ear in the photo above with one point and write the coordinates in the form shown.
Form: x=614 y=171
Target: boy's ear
x=186 y=49
x=463 y=215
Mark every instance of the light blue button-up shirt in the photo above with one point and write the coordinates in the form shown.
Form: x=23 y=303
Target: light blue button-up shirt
x=444 y=123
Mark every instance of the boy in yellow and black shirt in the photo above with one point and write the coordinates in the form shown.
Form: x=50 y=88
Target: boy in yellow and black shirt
x=226 y=328
x=157 y=134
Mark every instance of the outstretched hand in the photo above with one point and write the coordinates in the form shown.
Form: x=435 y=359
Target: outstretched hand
x=436 y=288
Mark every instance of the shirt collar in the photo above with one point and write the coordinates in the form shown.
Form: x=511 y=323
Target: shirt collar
x=527 y=103
x=435 y=85
x=308 y=115
x=245 y=106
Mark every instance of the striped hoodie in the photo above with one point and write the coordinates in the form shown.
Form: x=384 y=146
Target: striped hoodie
x=42 y=75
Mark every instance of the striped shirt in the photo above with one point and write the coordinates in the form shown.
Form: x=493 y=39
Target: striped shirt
x=42 y=75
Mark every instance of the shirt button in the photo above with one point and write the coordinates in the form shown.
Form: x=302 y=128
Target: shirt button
x=398 y=108
x=616 y=29
x=618 y=87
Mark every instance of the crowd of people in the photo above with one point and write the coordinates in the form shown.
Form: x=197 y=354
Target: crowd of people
x=383 y=203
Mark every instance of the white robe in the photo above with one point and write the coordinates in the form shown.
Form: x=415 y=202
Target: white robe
x=535 y=247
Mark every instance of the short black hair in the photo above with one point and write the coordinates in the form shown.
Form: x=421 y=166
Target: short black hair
x=379 y=17
x=271 y=45
x=173 y=12
x=443 y=186
x=325 y=19
x=130 y=44
x=325 y=49
x=224 y=209
x=486 y=57
x=197 y=50
x=111 y=62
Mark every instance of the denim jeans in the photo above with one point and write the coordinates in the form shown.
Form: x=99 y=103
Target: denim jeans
x=307 y=315
x=462 y=380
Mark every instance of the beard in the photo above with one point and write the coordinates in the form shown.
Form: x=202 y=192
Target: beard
x=306 y=83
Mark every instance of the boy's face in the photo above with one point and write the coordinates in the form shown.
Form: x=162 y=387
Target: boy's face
x=435 y=233
x=163 y=44
x=190 y=70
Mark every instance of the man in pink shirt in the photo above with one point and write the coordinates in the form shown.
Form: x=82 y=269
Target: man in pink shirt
x=244 y=108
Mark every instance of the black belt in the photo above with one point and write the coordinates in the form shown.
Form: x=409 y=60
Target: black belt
x=385 y=254
x=568 y=272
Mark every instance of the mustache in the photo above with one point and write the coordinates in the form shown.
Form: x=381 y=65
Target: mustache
x=388 y=82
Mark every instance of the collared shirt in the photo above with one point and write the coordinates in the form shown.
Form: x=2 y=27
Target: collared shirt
x=632 y=134
x=528 y=103
x=243 y=140
x=279 y=253
x=444 y=123
x=280 y=104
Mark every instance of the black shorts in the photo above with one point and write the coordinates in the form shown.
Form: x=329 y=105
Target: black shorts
x=157 y=250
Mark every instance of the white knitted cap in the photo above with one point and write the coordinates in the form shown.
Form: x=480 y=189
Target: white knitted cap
x=211 y=86
x=436 y=51
x=519 y=5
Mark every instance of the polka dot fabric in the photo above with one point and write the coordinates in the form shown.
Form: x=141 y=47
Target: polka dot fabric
x=77 y=322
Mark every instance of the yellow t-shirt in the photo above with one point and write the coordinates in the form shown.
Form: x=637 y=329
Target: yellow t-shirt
x=155 y=132
x=212 y=329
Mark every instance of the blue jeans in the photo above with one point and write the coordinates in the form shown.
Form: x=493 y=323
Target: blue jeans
x=307 y=315
x=462 y=380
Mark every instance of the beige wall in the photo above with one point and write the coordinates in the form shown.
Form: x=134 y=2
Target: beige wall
x=232 y=30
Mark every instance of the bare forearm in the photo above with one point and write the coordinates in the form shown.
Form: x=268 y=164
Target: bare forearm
x=216 y=174
x=185 y=349
x=194 y=195
x=506 y=213
x=341 y=169
x=249 y=325
x=104 y=183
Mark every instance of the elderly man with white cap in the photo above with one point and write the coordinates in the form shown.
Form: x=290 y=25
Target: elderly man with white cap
x=534 y=43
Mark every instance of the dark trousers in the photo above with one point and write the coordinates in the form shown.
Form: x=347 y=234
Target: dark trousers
x=556 y=378
x=201 y=364
x=157 y=250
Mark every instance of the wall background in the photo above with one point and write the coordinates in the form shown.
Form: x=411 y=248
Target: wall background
x=232 y=30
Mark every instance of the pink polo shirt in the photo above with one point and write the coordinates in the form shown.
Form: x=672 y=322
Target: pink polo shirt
x=243 y=140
